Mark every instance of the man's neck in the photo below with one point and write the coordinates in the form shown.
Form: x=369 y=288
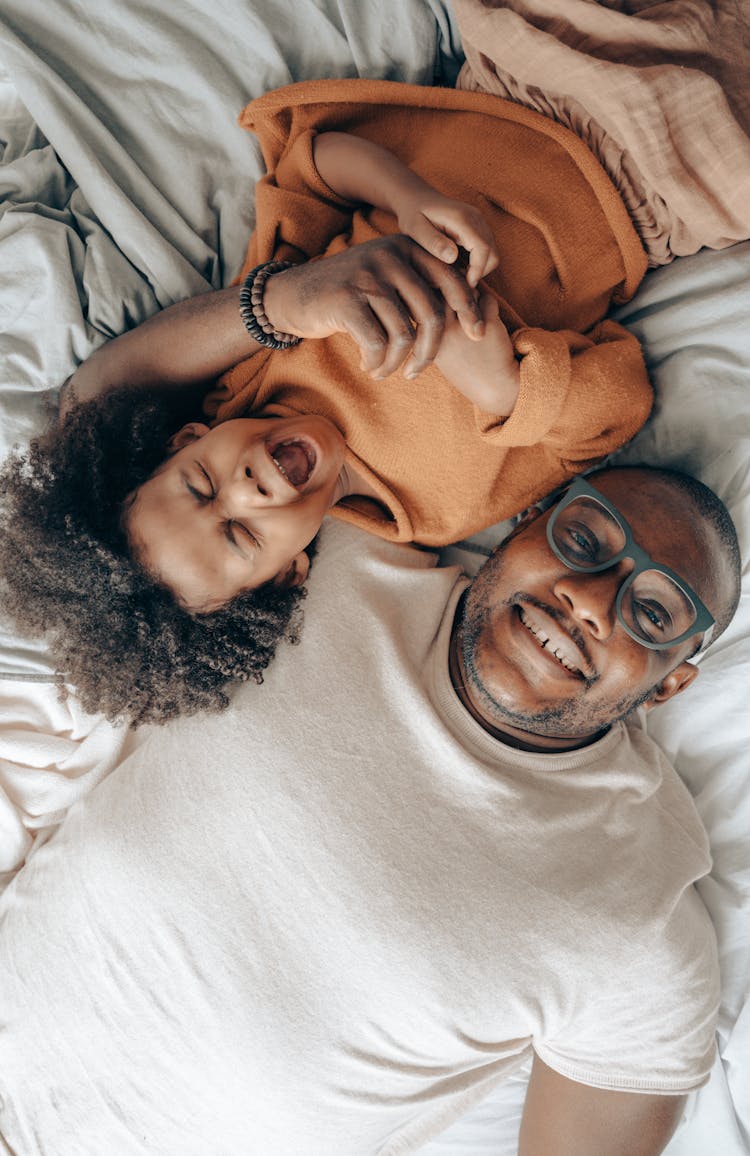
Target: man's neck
x=512 y=736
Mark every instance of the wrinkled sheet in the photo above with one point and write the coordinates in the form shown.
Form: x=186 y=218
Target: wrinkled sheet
x=660 y=91
x=125 y=184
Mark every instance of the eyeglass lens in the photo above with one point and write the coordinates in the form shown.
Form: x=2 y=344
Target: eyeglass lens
x=654 y=607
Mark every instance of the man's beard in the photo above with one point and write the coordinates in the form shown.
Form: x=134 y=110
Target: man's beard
x=572 y=717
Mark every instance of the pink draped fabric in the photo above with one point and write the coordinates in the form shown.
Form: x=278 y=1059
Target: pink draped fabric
x=660 y=91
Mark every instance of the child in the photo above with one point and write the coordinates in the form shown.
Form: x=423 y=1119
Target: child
x=491 y=427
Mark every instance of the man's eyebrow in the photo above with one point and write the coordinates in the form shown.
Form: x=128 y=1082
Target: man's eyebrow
x=612 y=516
x=684 y=596
x=617 y=520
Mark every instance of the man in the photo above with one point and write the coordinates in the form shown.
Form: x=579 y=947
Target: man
x=426 y=848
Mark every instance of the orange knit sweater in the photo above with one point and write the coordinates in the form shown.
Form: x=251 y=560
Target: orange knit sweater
x=442 y=468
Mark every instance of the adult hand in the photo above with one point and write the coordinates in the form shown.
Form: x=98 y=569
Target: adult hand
x=390 y=295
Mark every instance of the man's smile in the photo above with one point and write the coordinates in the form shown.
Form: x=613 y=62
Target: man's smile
x=554 y=641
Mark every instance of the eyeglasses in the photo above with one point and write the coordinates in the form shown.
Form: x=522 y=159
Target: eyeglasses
x=654 y=605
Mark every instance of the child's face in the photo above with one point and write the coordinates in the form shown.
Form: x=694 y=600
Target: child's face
x=234 y=507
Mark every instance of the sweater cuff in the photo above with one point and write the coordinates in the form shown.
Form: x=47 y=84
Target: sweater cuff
x=297 y=172
x=545 y=367
x=297 y=214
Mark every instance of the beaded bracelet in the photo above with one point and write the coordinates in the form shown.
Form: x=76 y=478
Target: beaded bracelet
x=251 y=307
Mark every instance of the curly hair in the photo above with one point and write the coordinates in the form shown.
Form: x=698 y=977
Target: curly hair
x=115 y=633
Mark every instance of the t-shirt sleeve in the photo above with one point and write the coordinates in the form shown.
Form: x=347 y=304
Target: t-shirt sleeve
x=580 y=396
x=645 y=1018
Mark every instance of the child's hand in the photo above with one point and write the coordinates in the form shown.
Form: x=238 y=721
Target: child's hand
x=485 y=371
x=440 y=225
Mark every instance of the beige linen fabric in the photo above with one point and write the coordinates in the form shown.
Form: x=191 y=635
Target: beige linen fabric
x=329 y=920
x=660 y=91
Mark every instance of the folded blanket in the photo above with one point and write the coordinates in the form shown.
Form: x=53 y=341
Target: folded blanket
x=659 y=91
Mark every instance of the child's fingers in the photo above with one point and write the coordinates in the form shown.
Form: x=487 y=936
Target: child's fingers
x=482 y=260
x=483 y=256
x=431 y=238
x=488 y=307
x=478 y=261
x=469 y=229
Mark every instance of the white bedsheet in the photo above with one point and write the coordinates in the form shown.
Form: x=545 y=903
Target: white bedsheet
x=125 y=185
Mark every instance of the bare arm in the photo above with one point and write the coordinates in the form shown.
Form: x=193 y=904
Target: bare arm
x=388 y=294
x=188 y=344
x=486 y=371
x=564 y=1118
x=359 y=170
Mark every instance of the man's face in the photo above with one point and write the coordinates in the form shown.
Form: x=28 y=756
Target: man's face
x=540 y=646
x=235 y=506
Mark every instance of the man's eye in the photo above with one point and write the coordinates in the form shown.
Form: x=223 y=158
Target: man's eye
x=581 y=543
x=650 y=618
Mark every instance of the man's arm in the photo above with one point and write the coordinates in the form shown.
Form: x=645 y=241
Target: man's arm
x=188 y=344
x=389 y=295
x=564 y=1118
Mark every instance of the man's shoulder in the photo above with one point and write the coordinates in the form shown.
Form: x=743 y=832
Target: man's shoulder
x=671 y=794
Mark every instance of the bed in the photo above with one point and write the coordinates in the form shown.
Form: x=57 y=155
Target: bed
x=126 y=185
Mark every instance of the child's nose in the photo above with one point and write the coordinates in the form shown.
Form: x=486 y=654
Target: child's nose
x=255 y=483
x=248 y=490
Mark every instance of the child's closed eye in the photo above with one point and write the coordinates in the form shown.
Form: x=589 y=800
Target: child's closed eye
x=203 y=493
x=234 y=530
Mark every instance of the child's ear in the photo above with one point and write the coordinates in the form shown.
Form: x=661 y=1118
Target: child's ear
x=295 y=573
x=186 y=436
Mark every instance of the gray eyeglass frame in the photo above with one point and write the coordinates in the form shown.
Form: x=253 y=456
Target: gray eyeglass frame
x=704 y=620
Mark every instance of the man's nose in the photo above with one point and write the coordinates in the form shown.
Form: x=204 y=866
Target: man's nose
x=591 y=599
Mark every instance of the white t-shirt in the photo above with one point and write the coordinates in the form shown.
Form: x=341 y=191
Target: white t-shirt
x=329 y=919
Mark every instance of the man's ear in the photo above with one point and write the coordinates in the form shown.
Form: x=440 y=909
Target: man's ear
x=295 y=573
x=186 y=436
x=673 y=683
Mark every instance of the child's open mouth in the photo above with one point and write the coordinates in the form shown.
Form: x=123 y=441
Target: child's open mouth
x=295 y=459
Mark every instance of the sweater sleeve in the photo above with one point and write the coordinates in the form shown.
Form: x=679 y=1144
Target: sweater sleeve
x=234 y=393
x=582 y=397
x=297 y=213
